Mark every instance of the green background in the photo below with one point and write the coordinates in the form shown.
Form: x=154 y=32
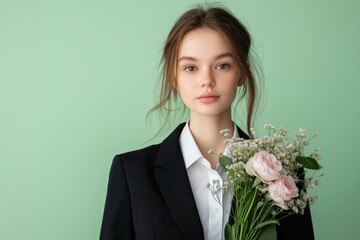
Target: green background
x=77 y=78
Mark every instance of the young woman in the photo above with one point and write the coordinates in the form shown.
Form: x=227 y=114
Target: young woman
x=160 y=192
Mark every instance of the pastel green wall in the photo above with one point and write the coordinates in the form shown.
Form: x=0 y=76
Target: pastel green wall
x=76 y=81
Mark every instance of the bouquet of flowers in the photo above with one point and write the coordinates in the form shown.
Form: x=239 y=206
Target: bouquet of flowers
x=266 y=177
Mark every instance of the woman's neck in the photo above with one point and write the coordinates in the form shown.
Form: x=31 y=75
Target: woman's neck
x=205 y=130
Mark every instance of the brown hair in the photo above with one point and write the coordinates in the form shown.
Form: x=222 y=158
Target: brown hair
x=219 y=19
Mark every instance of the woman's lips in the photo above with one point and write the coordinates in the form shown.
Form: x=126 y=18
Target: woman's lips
x=208 y=97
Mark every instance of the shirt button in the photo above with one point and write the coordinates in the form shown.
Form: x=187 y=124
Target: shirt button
x=215 y=210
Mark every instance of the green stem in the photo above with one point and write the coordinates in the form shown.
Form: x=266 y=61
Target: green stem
x=243 y=222
x=241 y=231
x=251 y=205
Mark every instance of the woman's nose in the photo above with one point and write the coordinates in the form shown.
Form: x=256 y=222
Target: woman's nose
x=207 y=79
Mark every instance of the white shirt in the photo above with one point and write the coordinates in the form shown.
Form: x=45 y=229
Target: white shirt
x=200 y=173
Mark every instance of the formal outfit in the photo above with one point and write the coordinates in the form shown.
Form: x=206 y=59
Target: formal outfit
x=154 y=193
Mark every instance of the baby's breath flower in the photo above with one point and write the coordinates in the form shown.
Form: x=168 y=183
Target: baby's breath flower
x=302 y=211
x=302 y=132
x=268 y=126
x=313 y=199
x=262 y=188
x=295 y=209
x=225 y=132
x=252 y=131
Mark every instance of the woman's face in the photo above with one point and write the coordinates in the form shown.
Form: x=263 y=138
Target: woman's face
x=207 y=74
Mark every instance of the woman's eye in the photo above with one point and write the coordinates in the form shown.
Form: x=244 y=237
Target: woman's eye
x=222 y=66
x=190 y=68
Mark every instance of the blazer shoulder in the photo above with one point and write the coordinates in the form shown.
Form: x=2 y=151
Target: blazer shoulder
x=152 y=151
x=140 y=158
x=143 y=154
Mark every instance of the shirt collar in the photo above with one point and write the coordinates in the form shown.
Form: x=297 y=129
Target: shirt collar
x=189 y=148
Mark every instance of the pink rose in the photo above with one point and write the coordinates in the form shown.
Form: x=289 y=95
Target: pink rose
x=265 y=166
x=283 y=190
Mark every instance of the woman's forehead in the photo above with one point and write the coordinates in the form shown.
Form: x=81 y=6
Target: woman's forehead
x=204 y=43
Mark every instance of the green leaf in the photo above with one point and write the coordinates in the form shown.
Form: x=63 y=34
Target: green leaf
x=268 y=232
x=229 y=232
x=225 y=161
x=268 y=222
x=256 y=182
x=259 y=204
x=308 y=162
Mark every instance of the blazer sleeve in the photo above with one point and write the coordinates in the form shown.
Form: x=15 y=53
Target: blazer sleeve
x=117 y=220
x=297 y=226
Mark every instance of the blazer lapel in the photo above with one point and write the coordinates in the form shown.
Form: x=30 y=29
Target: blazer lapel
x=171 y=175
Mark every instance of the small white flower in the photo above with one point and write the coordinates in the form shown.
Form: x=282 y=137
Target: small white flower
x=252 y=131
x=302 y=132
x=295 y=209
x=225 y=132
x=313 y=199
x=268 y=126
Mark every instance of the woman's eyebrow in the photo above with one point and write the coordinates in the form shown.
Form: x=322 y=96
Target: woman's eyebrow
x=223 y=55
x=183 y=58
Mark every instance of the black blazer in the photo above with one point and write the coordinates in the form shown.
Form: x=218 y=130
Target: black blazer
x=149 y=197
